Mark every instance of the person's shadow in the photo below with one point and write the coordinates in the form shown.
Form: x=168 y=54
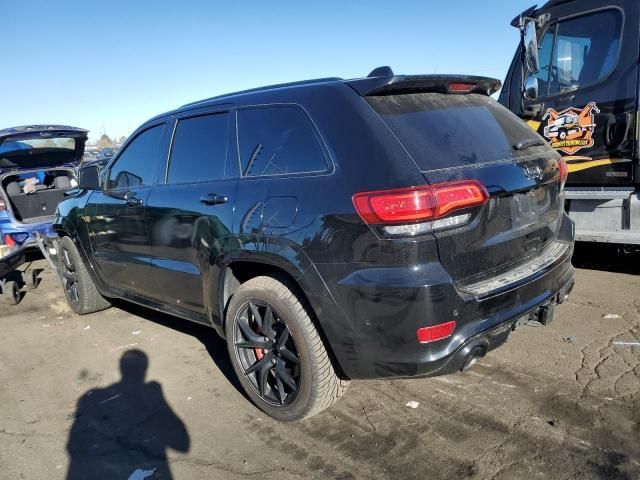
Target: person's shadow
x=123 y=431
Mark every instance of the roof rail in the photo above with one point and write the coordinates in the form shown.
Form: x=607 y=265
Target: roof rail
x=265 y=88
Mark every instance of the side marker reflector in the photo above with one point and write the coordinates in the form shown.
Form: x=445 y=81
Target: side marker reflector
x=436 y=332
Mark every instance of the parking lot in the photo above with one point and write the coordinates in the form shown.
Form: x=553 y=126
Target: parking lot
x=556 y=402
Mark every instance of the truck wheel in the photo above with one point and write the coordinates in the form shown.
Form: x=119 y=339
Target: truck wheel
x=562 y=135
x=33 y=278
x=277 y=352
x=82 y=295
x=12 y=292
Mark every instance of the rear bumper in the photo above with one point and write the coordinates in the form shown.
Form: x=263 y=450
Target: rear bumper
x=478 y=345
x=608 y=215
x=28 y=230
x=48 y=246
x=370 y=315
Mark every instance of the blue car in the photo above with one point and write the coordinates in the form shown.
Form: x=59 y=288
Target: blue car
x=38 y=163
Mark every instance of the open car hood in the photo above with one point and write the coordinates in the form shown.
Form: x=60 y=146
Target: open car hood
x=41 y=146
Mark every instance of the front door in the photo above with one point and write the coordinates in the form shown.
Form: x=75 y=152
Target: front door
x=588 y=90
x=190 y=214
x=119 y=238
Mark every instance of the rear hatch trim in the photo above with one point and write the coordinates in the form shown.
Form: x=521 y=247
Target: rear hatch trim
x=551 y=255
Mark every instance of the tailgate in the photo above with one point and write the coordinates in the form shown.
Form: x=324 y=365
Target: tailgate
x=519 y=222
x=471 y=137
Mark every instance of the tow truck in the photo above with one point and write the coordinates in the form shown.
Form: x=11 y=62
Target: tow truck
x=563 y=126
x=575 y=80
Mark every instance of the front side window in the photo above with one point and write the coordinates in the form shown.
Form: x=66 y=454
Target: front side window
x=278 y=140
x=135 y=166
x=585 y=50
x=199 y=149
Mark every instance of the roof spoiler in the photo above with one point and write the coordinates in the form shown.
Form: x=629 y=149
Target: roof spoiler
x=382 y=81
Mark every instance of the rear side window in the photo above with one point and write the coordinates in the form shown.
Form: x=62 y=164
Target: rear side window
x=135 y=166
x=444 y=130
x=278 y=140
x=199 y=149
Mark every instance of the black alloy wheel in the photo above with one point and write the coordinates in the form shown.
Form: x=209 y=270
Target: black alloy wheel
x=267 y=353
x=69 y=276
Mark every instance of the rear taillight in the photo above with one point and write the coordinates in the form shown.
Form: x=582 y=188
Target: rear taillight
x=436 y=332
x=418 y=204
x=564 y=171
x=9 y=241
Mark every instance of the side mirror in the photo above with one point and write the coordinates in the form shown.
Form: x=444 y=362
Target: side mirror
x=89 y=177
x=530 y=42
x=531 y=87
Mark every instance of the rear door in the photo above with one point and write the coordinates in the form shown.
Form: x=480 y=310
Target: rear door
x=588 y=81
x=119 y=237
x=190 y=212
x=471 y=137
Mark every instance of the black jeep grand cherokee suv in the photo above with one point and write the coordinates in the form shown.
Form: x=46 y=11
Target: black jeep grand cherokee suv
x=329 y=230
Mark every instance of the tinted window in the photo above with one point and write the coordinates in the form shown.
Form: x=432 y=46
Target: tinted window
x=199 y=150
x=276 y=141
x=545 y=50
x=33 y=144
x=585 y=51
x=135 y=166
x=441 y=130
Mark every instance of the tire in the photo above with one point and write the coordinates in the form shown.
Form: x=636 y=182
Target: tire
x=34 y=279
x=317 y=385
x=562 y=135
x=81 y=293
x=11 y=292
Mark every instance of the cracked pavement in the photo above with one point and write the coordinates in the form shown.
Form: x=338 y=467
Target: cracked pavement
x=557 y=402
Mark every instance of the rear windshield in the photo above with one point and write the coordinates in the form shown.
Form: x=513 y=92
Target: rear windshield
x=440 y=130
x=60 y=143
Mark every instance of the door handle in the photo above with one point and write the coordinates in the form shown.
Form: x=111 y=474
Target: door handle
x=213 y=199
x=130 y=199
x=616 y=131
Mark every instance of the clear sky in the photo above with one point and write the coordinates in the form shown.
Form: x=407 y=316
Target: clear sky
x=113 y=64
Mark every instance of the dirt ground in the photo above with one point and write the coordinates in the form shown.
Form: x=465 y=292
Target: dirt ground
x=557 y=402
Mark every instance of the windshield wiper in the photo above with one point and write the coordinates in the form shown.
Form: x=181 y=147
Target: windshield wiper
x=529 y=142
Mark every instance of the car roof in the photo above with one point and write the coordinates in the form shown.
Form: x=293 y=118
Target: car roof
x=239 y=96
x=382 y=80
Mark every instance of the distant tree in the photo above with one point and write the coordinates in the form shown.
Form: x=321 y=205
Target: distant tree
x=105 y=141
x=122 y=139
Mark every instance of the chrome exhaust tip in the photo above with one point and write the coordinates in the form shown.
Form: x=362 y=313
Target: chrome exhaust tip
x=472 y=358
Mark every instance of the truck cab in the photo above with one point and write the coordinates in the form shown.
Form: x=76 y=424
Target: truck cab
x=574 y=80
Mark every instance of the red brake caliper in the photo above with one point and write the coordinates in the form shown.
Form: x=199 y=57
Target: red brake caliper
x=259 y=352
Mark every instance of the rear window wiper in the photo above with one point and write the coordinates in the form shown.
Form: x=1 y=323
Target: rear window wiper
x=529 y=142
